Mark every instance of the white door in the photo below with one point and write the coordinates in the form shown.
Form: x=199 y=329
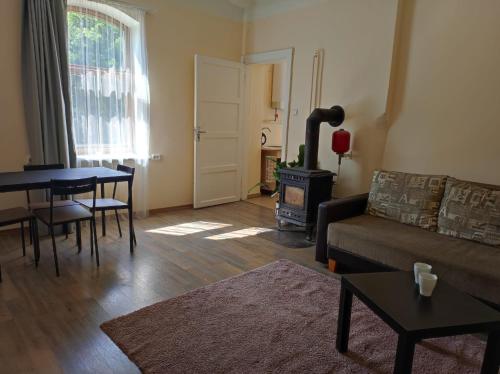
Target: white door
x=217 y=131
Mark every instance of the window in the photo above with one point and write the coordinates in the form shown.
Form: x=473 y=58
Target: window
x=104 y=75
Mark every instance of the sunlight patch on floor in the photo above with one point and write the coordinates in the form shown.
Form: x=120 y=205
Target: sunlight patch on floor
x=189 y=228
x=251 y=231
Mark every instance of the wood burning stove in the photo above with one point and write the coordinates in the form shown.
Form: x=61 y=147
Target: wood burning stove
x=303 y=189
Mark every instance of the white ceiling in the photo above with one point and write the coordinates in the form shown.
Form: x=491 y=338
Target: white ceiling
x=222 y=8
x=255 y=9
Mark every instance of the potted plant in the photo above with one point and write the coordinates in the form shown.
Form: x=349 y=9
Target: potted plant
x=292 y=164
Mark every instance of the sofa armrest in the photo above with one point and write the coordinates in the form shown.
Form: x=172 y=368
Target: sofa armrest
x=332 y=211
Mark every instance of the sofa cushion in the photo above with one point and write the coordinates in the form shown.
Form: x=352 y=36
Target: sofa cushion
x=413 y=199
x=470 y=266
x=471 y=211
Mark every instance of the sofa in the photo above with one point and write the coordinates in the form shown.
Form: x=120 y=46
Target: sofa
x=458 y=233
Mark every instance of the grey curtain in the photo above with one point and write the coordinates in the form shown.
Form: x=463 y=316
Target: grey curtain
x=46 y=83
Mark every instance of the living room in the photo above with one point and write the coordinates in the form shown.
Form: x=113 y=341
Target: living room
x=194 y=278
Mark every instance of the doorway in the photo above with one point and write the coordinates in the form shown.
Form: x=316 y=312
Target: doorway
x=267 y=113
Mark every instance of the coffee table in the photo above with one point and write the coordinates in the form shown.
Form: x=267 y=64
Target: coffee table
x=394 y=297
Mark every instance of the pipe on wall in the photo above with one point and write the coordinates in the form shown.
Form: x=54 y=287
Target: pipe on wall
x=334 y=116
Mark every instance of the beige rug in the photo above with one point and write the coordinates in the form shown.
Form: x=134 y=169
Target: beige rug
x=279 y=318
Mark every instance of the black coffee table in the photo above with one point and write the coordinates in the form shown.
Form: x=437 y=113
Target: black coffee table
x=394 y=297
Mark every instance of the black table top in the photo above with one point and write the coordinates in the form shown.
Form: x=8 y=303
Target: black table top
x=394 y=296
x=38 y=179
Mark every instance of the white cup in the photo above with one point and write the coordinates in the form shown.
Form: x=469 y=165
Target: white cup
x=427 y=283
x=420 y=267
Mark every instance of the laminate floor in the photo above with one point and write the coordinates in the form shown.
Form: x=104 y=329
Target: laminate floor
x=51 y=325
x=264 y=201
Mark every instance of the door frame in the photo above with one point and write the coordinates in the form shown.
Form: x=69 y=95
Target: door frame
x=269 y=57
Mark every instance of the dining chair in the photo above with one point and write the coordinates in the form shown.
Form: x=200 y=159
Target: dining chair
x=32 y=206
x=105 y=204
x=19 y=215
x=60 y=215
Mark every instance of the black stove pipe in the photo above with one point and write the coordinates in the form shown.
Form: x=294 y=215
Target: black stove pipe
x=334 y=116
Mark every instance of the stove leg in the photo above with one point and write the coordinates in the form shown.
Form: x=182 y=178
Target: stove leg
x=309 y=233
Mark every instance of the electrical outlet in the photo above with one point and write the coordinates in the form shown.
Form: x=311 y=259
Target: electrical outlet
x=156 y=157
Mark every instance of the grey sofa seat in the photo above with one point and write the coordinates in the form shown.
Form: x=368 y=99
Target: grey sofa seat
x=469 y=266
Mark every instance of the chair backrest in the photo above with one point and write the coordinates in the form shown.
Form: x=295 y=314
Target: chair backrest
x=43 y=167
x=40 y=167
x=125 y=169
x=63 y=187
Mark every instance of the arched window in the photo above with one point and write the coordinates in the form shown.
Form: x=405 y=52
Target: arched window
x=104 y=69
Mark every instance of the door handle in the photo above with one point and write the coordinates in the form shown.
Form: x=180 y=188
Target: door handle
x=198 y=131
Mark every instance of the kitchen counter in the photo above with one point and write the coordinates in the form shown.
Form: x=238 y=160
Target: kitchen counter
x=271 y=148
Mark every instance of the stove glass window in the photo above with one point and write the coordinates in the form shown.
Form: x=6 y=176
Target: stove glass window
x=294 y=196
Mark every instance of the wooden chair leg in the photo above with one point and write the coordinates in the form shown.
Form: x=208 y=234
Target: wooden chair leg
x=118 y=222
x=103 y=220
x=79 y=236
x=36 y=241
x=91 y=229
x=103 y=213
x=95 y=242
x=22 y=238
x=30 y=223
x=132 y=233
x=54 y=249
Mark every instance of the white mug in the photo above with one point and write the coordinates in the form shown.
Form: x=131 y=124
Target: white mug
x=420 y=267
x=427 y=283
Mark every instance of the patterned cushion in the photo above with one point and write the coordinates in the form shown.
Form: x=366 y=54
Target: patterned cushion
x=413 y=199
x=471 y=211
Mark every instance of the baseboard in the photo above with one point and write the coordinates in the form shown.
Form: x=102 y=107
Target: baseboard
x=254 y=195
x=170 y=209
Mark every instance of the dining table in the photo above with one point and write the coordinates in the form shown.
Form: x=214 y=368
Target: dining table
x=40 y=179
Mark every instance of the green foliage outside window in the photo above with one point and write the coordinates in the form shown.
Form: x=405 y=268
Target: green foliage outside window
x=99 y=80
x=95 y=42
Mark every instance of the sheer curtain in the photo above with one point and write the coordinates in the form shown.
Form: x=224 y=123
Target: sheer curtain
x=109 y=88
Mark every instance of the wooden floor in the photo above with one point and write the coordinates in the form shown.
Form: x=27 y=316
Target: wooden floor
x=264 y=201
x=50 y=324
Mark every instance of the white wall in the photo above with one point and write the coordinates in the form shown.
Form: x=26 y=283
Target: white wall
x=443 y=112
x=446 y=90
x=357 y=36
x=175 y=34
x=13 y=142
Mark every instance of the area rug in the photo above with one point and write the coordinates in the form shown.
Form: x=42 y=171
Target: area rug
x=280 y=318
